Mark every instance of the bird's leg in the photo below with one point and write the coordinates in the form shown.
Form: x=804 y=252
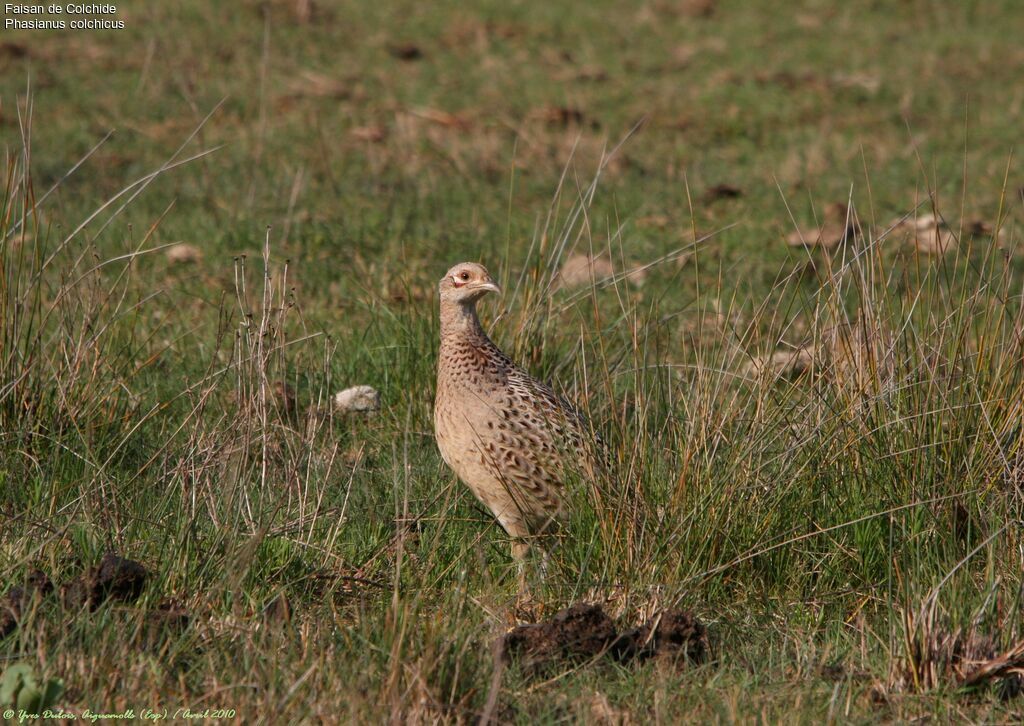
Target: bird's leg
x=520 y=552
x=531 y=565
x=527 y=606
x=520 y=549
x=543 y=562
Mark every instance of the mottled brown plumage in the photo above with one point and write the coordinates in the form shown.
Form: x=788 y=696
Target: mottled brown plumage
x=510 y=438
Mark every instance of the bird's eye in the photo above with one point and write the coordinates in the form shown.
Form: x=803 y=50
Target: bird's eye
x=464 y=276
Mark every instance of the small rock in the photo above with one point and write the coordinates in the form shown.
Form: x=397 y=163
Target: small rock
x=183 y=253
x=357 y=398
x=580 y=270
x=930 y=235
x=372 y=134
x=923 y=222
x=838 y=227
x=859 y=81
x=783 y=363
x=937 y=241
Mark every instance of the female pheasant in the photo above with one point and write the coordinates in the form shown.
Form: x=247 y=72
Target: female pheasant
x=510 y=438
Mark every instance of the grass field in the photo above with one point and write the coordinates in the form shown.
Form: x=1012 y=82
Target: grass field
x=219 y=216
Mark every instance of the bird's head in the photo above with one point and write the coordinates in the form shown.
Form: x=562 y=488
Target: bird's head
x=465 y=283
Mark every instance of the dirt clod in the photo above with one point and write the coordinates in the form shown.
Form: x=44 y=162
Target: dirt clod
x=575 y=634
x=722 y=191
x=13 y=50
x=17 y=599
x=115 y=577
x=669 y=634
x=406 y=51
x=584 y=631
x=980 y=227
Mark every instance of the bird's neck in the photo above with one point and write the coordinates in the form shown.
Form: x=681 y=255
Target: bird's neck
x=459 y=320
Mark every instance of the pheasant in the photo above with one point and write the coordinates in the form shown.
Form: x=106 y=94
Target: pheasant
x=509 y=437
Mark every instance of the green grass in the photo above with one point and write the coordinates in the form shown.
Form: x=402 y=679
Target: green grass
x=831 y=529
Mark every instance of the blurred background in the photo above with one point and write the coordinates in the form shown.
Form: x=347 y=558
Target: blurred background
x=399 y=137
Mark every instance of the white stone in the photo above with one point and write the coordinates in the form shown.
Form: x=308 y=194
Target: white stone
x=357 y=398
x=183 y=253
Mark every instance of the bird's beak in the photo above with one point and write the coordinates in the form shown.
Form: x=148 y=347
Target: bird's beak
x=489 y=285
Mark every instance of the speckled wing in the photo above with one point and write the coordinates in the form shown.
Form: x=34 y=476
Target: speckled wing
x=552 y=438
